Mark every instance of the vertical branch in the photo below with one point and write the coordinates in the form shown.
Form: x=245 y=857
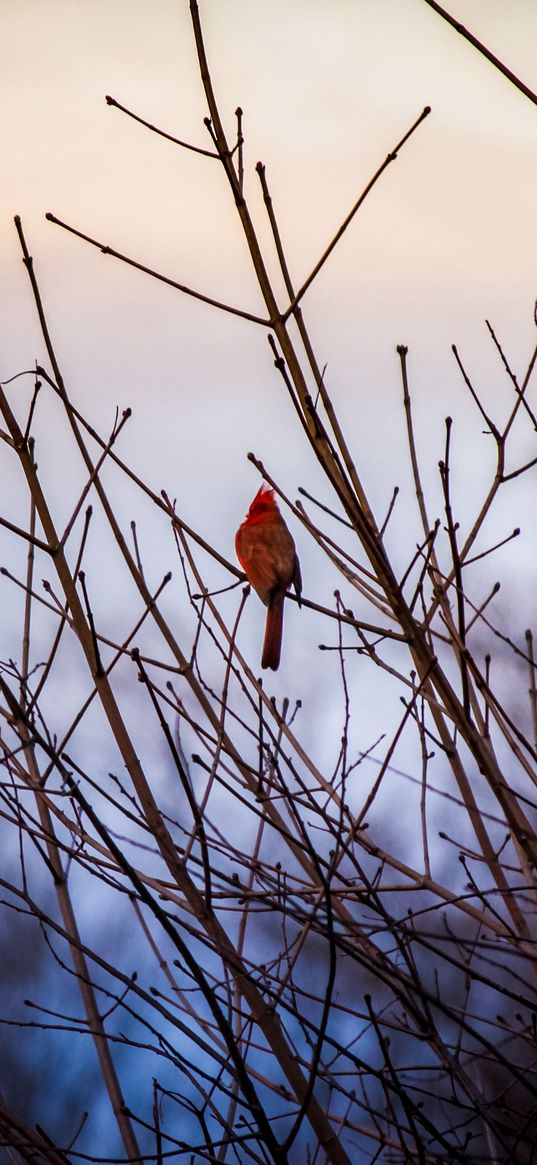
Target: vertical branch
x=308 y=347
x=423 y=799
x=532 y=689
x=452 y=535
x=276 y=317
x=240 y=143
x=25 y=655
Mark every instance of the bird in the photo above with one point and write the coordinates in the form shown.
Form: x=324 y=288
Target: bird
x=266 y=552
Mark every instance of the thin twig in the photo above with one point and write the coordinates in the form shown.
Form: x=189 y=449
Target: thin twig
x=106 y=250
x=391 y=157
x=477 y=44
x=155 y=129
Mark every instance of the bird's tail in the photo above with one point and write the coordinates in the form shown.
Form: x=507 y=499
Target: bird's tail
x=273 y=634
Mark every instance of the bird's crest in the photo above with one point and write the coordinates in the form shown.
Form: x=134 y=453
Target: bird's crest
x=264 y=501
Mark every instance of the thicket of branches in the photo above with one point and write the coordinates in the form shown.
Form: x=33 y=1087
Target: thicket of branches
x=306 y=987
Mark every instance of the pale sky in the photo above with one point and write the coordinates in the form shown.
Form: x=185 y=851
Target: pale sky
x=446 y=240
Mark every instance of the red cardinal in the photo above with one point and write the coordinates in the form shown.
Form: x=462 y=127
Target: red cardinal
x=269 y=560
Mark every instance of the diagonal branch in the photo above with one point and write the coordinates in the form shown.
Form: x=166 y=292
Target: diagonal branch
x=161 y=133
x=391 y=157
x=481 y=48
x=106 y=250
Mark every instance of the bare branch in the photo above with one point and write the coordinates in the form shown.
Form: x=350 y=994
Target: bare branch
x=477 y=44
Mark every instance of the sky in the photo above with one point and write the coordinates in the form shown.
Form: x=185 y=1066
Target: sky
x=445 y=241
